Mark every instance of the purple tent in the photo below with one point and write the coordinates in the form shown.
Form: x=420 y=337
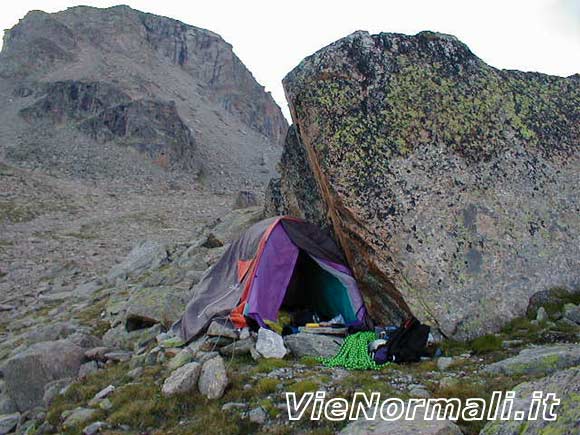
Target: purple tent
x=281 y=262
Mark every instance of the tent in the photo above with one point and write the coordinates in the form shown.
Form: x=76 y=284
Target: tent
x=278 y=262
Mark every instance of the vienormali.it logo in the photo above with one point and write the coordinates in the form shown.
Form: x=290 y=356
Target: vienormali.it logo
x=315 y=405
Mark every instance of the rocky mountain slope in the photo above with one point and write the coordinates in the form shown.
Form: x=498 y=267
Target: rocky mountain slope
x=452 y=186
x=120 y=93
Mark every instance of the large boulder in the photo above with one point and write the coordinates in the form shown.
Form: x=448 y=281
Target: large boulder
x=565 y=385
x=27 y=373
x=155 y=305
x=540 y=360
x=450 y=185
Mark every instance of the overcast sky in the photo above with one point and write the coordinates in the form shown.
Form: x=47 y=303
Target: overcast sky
x=271 y=37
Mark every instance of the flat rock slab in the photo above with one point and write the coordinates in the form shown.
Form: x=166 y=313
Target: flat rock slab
x=304 y=344
x=566 y=386
x=27 y=373
x=538 y=360
x=156 y=305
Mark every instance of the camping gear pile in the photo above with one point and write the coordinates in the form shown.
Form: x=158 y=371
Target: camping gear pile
x=288 y=276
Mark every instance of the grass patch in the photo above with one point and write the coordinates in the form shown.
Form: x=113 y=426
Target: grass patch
x=309 y=361
x=302 y=387
x=266 y=385
x=486 y=344
x=266 y=365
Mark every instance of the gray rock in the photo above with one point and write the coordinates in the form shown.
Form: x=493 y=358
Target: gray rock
x=538 y=360
x=444 y=363
x=118 y=356
x=97 y=353
x=162 y=305
x=88 y=369
x=105 y=392
x=234 y=405
x=51 y=332
x=216 y=329
x=78 y=417
x=402 y=426
x=8 y=422
x=182 y=380
x=213 y=379
x=270 y=345
x=53 y=389
x=419 y=391
x=86 y=341
x=146 y=255
x=202 y=357
x=258 y=415
x=304 y=344
x=245 y=199
x=541 y=315
x=424 y=170
x=239 y=347
x=183 y=357
x=135 y=373
x=572 y=313
x=28 y=372
x=119 y=338
x=6 y=307
x=95 y=428
x=566 y=387
x=7 y=405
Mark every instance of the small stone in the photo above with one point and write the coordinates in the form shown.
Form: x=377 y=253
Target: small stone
x=444 y=363
x=172 y=342
x=183 y=357
x=88 y=369
x=9 y=422
x=78 y=417
x=233 y=405
x=270 y=344
x=216 y=329
x=240 y=347
x=202 y=357
x=420 y=392
x=213 y=379
x=258 y=415
x=572 y=313
x=508 y=344
x=105 y=404
x=95 y=428
x=244 y=333
x=118 y=356
x=182 y=380
x=541 y=315
x=97 y=353
x=105 y=392
x=135 y=373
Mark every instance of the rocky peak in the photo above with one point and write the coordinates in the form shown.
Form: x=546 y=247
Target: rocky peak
x=145 y=57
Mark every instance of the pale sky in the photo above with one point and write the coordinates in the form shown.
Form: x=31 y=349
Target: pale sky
x=271 y=37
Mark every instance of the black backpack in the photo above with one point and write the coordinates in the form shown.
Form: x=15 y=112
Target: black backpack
x=406 y=344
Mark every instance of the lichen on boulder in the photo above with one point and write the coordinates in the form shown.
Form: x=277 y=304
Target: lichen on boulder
x=449 y=184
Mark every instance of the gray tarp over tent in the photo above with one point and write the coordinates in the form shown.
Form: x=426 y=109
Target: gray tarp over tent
x=274 y=261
